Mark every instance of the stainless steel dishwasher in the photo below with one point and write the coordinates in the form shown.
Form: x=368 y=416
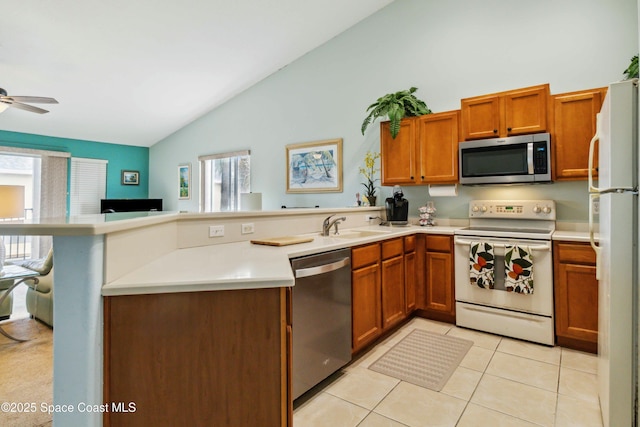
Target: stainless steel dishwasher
x=321 y=317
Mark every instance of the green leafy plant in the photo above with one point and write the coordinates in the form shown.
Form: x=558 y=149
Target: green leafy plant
x=396 y=106
x=632 y=70
x=369 y=170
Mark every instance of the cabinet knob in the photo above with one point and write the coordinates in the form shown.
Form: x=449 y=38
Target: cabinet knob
x=422 y=177
x=508 y=129
x=411 y=177
x=495 y=131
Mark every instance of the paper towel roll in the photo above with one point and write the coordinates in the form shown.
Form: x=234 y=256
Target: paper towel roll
x=251 y=201
x=448 y=190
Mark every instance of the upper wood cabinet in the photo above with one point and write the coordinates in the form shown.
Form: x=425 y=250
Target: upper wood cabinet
x=514 y=112
x=574 y=124
x=424 y=152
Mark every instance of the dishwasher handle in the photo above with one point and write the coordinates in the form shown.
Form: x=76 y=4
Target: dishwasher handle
x=322 y=269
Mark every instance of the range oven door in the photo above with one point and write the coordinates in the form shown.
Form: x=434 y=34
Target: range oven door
x=523 y=316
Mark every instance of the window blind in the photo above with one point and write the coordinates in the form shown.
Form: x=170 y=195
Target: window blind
x=88 y=185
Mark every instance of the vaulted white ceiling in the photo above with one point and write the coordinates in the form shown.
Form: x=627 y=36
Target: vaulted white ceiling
x=134 y=71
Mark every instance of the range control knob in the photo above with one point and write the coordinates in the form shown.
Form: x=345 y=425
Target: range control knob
x=475 y=208
x=546 y=210
x=537 y=209
x=484 y=208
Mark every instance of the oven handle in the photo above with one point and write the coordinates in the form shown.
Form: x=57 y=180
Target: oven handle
x=546 y=247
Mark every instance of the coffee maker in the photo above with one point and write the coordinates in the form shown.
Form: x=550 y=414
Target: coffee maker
x=397 y=207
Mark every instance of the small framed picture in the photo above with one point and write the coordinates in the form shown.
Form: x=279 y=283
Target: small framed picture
x=130 y=177
x=184 y=174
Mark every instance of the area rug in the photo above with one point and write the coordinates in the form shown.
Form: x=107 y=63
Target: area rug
x=423 y=358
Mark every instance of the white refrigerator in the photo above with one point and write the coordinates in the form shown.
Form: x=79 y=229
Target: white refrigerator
x=616 y=188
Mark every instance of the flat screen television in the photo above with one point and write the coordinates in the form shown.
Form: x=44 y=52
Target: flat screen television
x=130 y=205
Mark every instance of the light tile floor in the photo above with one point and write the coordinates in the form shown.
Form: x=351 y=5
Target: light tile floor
x=500 y=382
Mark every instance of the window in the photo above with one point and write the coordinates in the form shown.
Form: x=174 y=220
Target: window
x=223 y=178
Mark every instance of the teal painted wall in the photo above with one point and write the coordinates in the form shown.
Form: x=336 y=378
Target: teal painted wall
x=119 y=157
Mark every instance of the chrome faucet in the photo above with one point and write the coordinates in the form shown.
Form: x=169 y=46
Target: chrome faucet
x=327 y=223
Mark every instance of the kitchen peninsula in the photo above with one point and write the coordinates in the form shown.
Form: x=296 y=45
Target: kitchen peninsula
x=109 y=265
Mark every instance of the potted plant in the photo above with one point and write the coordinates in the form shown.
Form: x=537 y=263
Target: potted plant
x=369 y=171
x=396 y=106
x=632 y=70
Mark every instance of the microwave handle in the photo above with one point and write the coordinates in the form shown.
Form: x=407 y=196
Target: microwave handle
x=530 y=158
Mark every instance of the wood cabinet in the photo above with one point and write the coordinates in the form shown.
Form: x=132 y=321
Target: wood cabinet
x=198 y=358
x=410 y=270
x=514 y=112
x=393 y=286
x=365 y=295
x=576 y=296
x=424 y=152
x=439 y=284
x=379 y=292
x=574 y=124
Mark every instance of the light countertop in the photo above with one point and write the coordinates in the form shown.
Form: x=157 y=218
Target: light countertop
x=240 y=265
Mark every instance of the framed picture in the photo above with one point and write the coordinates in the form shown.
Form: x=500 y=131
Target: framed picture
x=184 y=174
x=130 y=177
x=315 y=167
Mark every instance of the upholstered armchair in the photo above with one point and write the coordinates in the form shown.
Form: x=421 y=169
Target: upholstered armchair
x=6 y=307
x=40 y=295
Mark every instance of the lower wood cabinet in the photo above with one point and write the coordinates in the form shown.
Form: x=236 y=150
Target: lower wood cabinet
x=410 y=279
x=576 y=296
x=366 y=293
x=198 y=358
x=439 y=291
x=393 y=291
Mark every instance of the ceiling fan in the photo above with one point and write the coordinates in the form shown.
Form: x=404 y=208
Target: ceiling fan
x=19 y=102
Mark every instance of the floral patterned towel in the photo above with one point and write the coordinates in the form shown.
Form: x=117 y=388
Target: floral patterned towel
x=518 y=266
x=481 y=265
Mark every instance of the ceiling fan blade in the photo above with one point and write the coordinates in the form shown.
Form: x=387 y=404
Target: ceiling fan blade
x=34 y=99
x=28 y=107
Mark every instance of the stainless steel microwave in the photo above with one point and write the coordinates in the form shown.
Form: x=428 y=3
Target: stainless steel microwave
x=515 y=159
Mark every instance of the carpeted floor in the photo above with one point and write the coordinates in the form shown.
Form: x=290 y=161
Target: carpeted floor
x=26 y=373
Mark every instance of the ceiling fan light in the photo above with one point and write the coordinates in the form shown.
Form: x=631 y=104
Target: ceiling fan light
x=3 y=106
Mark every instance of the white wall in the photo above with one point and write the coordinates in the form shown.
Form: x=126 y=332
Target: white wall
x=449 y=50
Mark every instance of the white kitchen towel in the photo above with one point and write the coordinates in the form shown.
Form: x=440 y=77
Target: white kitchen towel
x=518 y=269
x=481 y=261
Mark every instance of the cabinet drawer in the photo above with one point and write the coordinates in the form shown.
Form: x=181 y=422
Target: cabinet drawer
x=578 y=253
x=439 y=243
x=409 y=244
x=365 y=255
x=391 y=248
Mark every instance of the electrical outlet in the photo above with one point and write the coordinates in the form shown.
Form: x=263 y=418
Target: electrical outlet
x=216 y=231
x=247 y=228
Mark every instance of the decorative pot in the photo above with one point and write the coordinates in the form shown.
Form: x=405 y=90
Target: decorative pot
x=371 y=200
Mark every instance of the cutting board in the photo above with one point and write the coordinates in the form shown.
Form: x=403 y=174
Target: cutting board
x=283 y=241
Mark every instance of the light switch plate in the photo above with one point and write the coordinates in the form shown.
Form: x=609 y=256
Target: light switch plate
x=216 y=231
x=247 y=228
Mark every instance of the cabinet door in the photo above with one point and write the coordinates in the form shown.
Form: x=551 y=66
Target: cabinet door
x=574 y=125
x=367 y=313
x=397 y=156
x=393 y=303
x=439 y=295
x=480 y=117
x=526 y=110
x=438 y=139
x=410 y=281
x=576 y=296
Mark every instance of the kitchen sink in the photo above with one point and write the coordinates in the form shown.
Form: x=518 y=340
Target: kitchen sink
x=357 y=234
